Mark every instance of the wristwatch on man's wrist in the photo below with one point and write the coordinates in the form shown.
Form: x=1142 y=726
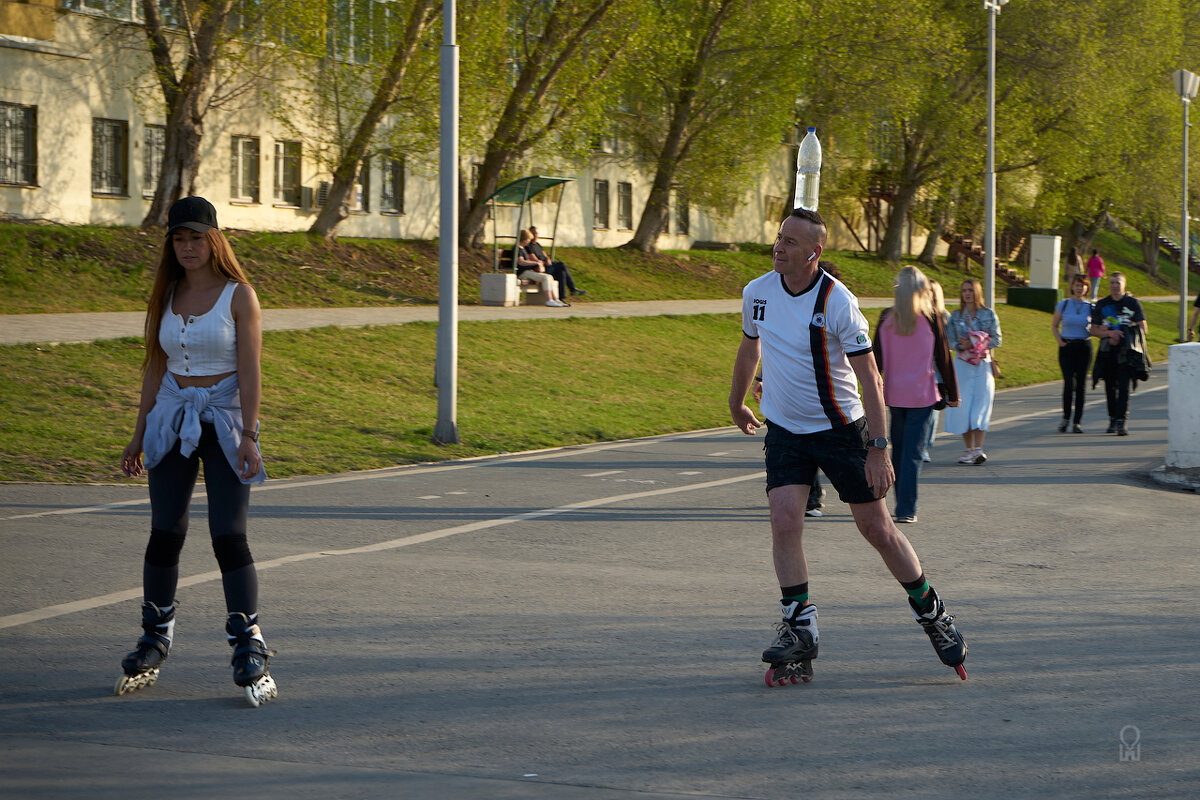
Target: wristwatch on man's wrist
x=879 y=442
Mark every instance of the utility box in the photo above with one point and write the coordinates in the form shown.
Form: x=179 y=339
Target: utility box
x=1044 y=252
x=498 y=289
x=1183 y=412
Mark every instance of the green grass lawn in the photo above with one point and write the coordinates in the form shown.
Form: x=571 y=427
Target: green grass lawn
x=337 y=400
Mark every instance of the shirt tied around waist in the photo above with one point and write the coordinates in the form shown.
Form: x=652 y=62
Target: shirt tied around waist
x=177 y=415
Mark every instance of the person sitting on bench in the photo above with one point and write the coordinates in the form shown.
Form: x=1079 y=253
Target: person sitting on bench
x=562 y=275
x=531 y=269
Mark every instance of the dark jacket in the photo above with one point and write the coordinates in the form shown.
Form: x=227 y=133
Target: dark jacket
x=1128 y=355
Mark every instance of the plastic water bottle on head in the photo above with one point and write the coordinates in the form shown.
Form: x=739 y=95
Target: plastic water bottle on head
x=808 y=172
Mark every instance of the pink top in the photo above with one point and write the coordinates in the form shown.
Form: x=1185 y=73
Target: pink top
x=909 y=380
x=1095 y=266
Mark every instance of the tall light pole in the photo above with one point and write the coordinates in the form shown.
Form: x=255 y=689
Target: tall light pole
x=1186 y=85
x=989 y=182
x=446 y=369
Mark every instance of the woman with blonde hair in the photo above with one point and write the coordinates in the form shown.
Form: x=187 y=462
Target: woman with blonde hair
x=975 y=330
x=201 y=386
x=531 y=269
x=937 y=303
x=911 y=350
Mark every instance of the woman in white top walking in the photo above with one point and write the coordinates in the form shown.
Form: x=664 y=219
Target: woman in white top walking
x=201 y=385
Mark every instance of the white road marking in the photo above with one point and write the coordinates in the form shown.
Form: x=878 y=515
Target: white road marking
x=403 y=471
x=602 y=474
x=62 y=609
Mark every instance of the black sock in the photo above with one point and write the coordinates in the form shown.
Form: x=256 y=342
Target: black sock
x=795 y=594
x=920 y=593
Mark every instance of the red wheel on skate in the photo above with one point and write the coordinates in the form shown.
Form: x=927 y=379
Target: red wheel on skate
x=770 y=677
x=793 y=679
x=962 y=672
x=806 y=678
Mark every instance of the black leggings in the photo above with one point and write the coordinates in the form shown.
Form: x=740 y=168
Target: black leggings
x=1074 y=358
x=171 y=483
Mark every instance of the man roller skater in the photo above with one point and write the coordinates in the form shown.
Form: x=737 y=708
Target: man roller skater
x=815 y=347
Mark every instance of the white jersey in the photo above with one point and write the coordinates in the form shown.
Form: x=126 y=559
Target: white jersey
x=806 y=342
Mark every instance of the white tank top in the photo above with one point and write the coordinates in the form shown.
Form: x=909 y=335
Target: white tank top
x=201 y=344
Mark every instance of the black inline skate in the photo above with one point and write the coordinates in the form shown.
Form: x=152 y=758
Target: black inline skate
x=947 y=641
x=250 y=660
x=794 y=649
x=141 y=666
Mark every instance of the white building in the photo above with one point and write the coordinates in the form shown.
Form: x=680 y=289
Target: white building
x=81 y=135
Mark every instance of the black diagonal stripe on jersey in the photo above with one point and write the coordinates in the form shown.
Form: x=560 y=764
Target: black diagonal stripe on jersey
x=818 y=344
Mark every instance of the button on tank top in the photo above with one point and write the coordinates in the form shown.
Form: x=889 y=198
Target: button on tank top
x=201 y=344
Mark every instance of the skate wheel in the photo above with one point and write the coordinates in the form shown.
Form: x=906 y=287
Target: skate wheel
x=771 y=678
x=793 y=679
x=261 y=692
x=962 y=672
x=129 y=683
x=806 y=678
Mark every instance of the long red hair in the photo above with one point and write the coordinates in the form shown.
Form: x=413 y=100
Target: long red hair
x=166 y=277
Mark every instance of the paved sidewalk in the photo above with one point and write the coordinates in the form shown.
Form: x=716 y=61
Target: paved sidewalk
x=86 y=327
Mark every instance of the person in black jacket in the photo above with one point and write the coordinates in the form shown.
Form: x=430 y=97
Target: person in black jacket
x=1120 y=323
x=566 y=286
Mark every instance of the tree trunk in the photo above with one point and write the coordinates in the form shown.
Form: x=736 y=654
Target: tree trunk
x=512 y=135
x=654 y=215
x=337 y=205
x=1150 y=248
x=941 y=218
x=185 y=99
x=892 y=246
x=181 y=161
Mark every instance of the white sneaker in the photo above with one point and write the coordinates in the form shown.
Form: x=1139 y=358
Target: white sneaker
x=968 y=457
x=556 y=304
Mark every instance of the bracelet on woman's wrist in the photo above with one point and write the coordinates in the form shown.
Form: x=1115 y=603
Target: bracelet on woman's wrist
x=251 y=435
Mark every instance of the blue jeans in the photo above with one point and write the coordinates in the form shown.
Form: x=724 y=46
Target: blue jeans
x=909 y=431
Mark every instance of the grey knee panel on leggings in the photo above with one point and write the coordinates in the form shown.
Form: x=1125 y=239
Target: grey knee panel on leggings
x=232 y=551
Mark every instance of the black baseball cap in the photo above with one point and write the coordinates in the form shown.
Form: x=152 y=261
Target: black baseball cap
x=191 y=212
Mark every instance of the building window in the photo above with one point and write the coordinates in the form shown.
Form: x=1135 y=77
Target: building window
x=683 y=215
x=360 y=200
x=109 y=160
x=600 y=204
x=359 y=30
x=287 y=173
x=18 y=144
x=625 y=206
x=391 y=200
x=154 y=144
x=117 y=9
x=243 y=172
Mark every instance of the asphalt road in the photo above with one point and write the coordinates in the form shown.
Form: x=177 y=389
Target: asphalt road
x=586 y=623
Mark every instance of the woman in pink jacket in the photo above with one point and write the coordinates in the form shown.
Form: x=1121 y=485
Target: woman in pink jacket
x=909 y=341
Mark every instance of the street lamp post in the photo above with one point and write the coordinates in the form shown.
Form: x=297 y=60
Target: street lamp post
x=1186 y=85
x=446 y=367
x=989 y=183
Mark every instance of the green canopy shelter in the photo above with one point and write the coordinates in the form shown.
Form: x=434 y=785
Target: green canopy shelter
x=519 y=194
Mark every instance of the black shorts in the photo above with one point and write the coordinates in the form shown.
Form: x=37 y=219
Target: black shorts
x=841 y=453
